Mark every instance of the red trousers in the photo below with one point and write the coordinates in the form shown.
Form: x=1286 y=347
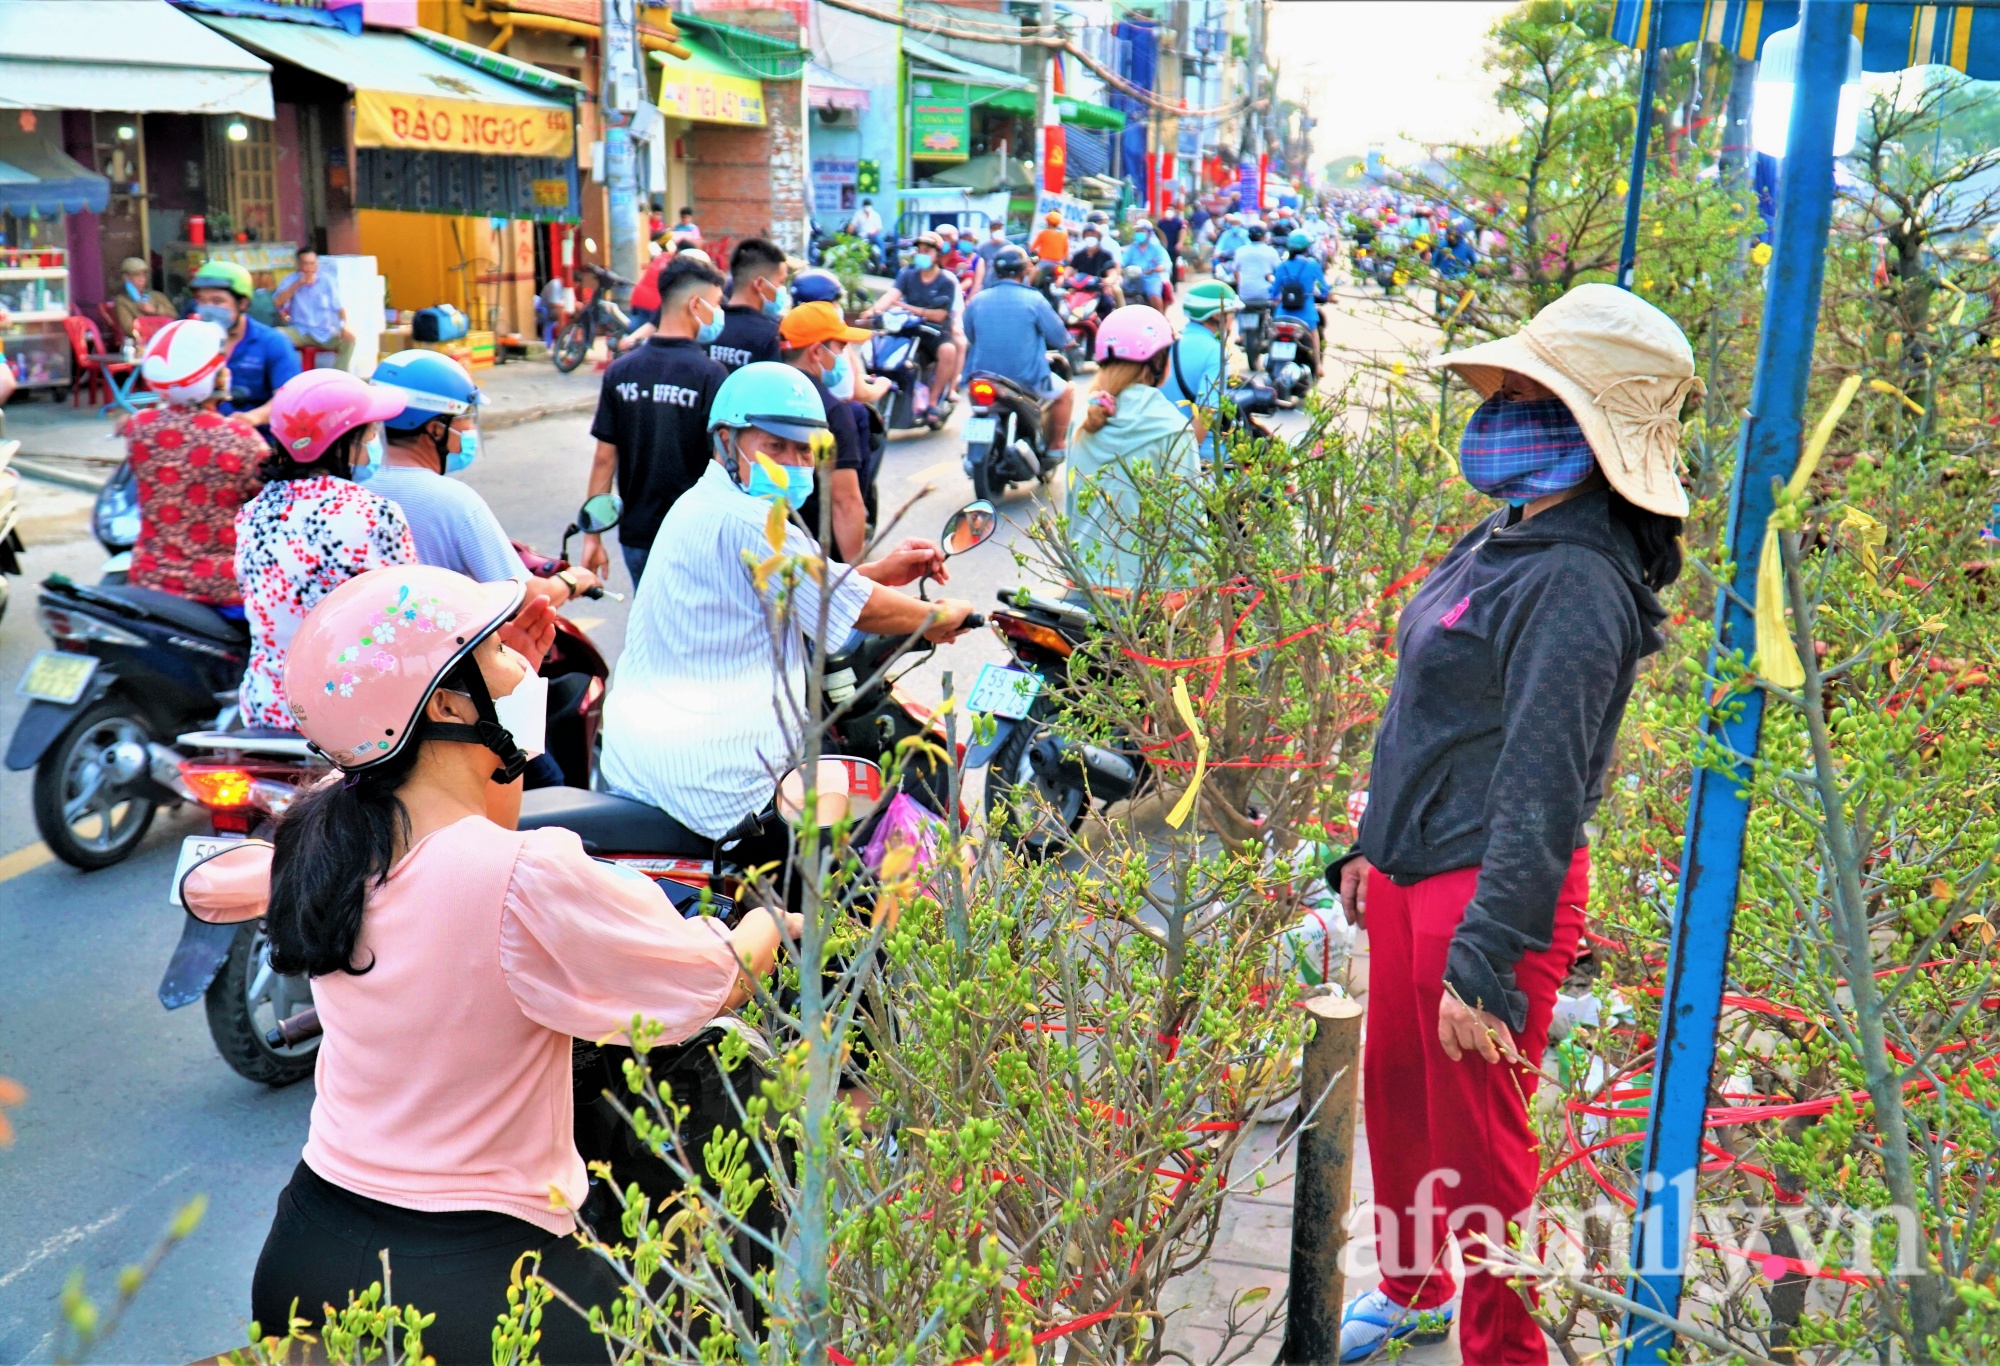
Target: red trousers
x=1449 y=1142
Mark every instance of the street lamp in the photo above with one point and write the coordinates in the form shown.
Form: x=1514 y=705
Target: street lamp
x=1771 y=116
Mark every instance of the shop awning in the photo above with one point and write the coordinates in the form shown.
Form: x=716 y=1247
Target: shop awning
x=1084 y=114
x=972 y=73
x=828 y=89
x=410 y=96
x=707 y=87
x=37 y=178
x=1893 y=37
x=511 y=69
x=136 y=55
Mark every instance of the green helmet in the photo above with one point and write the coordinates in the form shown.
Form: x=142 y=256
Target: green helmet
x=1204 y=300
x=223 y=275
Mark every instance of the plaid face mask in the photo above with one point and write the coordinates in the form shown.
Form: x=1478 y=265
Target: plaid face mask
x=1523 y=450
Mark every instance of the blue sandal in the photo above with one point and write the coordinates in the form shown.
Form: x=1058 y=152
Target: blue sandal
x=1373 y=1319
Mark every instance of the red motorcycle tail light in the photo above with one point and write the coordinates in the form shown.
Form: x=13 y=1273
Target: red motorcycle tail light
x=1034 y=633
x=983 y=393
x=218 y=786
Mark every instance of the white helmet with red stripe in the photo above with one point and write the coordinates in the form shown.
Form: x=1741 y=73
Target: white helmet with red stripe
x=183 y=358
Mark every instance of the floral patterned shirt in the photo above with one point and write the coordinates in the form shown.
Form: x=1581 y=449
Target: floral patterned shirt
x=194 y=469
x=296 y=542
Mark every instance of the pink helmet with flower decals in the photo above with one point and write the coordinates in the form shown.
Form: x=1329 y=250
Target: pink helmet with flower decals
x=366 y=659
x=313 y=410
x=1134 y=332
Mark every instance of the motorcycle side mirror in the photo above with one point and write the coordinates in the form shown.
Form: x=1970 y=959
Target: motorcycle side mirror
x=598 y=515
x=970 y=527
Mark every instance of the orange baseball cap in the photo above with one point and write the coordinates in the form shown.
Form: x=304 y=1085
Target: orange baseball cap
x=811 y=324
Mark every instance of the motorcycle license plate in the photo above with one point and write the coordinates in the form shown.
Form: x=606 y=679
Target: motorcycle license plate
x=57 y=676
x=978 y=431
x=1284 y=350
x=1000 y=691
x=194 y=849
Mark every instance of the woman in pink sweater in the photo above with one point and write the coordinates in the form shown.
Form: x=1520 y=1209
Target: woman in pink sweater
x=453 y=960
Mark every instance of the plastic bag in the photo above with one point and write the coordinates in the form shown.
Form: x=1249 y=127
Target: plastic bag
x=908 y=822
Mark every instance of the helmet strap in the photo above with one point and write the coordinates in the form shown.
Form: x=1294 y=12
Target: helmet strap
x=466 y=678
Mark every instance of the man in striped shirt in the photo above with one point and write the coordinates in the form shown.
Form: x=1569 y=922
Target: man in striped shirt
x=705 y=705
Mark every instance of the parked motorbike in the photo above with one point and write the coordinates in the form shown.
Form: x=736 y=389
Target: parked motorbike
x=893 y=354
x=1005 y=440
x=1293 y=359
x=1042 y=784
x=600 y=316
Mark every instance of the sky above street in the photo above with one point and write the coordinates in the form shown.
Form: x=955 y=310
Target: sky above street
x=1379 y=71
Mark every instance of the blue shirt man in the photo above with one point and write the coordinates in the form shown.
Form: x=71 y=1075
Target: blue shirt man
x=1146 y=263
x=1195 y=376
x=263 y=359
x=1231 y=239
x=1011 y=328
x=1304 y=272
x=1455 y=257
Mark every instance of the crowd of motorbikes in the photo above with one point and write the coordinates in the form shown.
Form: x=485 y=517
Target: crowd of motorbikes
x=132 y=708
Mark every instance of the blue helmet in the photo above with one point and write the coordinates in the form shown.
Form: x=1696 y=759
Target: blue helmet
x=1298 y=241
x=816 y=287
x=433 y=385
x=770 y=395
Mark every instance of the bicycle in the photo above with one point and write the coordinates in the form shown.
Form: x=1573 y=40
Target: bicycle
x=600 y=316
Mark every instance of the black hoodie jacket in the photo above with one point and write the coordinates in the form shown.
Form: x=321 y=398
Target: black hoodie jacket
x=1515 y=660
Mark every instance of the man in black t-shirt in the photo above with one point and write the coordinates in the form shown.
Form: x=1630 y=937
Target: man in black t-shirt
x=652 y=414
x=926 y=289
x=756 y=302
x=815 y=338
x=1095 y=261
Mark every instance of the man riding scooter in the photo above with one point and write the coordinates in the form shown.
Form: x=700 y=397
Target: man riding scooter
x=1012 y=329
x=930 y=292
x=1299 y=286
x=261 y=359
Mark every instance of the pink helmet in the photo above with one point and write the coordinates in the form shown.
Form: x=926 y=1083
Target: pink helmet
x=313 y=410
x=1134 y=332
x=369 y=655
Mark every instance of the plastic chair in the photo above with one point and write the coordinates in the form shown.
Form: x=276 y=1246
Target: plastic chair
x=145 y=326
x=110 y=316
x=86 y=351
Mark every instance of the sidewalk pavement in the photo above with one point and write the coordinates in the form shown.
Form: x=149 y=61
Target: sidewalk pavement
x=75 y=447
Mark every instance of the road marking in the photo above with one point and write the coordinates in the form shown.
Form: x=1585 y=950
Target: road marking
x=76 y=1233
x=24 y=861
x=942 y=467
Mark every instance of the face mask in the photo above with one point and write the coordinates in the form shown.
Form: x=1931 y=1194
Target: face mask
x=525 y=713
x=711 y=329
x=372 y=447
x=1142 y=236
x=923 y=260
x=1090 y=244
x=467 y=452
x=999 y=236
x=779 y=304
x=221 y=315
x=798 y=485
x=836 y=375
x=1523 y=450
x=136 y=294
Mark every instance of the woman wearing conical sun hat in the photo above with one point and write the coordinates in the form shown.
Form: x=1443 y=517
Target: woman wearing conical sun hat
x=1514 y=662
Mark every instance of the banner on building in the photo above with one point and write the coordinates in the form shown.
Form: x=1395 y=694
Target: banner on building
x=833 y=184
x=1075 y=212
x=710 y=96
x=868 y=176
x=1055 y=157
x=421 y=123
x=940 y=123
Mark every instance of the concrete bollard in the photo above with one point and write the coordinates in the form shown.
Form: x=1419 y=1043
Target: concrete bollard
x=1323 y=1181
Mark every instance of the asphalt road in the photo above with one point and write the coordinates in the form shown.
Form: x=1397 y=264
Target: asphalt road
x=130 y=1112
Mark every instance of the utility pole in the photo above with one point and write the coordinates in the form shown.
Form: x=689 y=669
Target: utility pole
x=622 y=87
x=1051 y=155
x=1173 y=91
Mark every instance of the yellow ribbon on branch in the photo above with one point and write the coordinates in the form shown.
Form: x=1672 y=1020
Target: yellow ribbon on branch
x=1777 y=657
x=1179 y=814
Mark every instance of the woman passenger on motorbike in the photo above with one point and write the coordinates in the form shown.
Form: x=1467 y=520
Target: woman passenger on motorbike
x=1132 y=438
x=312 y=528
x=194 y=468
x=444 y=1136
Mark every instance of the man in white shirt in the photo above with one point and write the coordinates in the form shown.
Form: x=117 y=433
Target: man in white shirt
x=704 y=709
x=1255 y=262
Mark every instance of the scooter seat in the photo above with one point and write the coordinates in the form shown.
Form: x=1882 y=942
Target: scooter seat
x=612 y=825
x=182 y=612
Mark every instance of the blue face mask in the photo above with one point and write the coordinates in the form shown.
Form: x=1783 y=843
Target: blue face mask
x=467 y=452
x=923 y=260
x=711 y=329
x=363 y=473
x=798 y=485
x=836 y=377
x=779 y=304
x=221 y=315
x=133 y=292
x=1525 y=449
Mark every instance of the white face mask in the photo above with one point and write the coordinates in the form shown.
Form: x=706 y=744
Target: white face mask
x=525 y=713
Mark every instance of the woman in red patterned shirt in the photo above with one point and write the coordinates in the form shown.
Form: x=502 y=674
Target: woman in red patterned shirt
x=194 y=468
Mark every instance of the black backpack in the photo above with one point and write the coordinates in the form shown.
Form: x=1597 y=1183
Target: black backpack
x=1293 y=296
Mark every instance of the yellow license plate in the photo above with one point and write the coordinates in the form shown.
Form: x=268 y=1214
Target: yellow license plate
x=57 y=676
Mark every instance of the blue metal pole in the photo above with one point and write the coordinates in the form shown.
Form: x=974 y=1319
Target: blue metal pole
x=1642 y=135
x=1712 y=859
